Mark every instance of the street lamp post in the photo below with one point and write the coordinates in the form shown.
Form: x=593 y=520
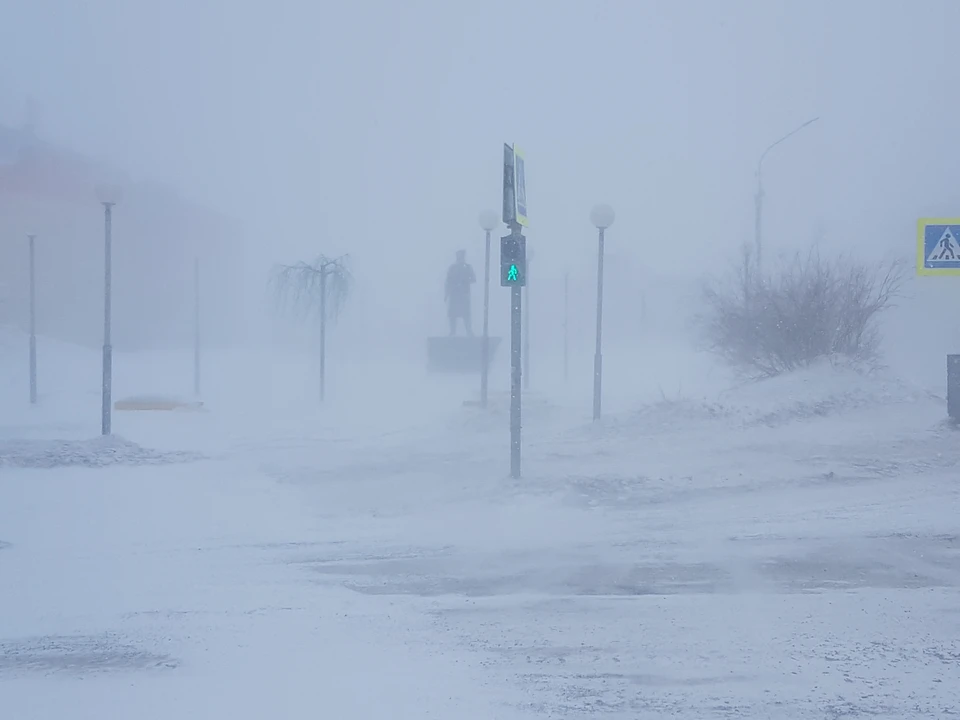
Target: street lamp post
x=107 y=387
x=33 y=321
x=602 y=217
x=488 y=221
x=566 y=322
x=196 y=326
x=758 y=219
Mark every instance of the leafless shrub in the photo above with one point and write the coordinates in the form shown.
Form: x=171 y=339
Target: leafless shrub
x=805 y=309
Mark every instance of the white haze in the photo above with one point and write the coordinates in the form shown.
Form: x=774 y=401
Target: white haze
x=375 y=128
x=278 y=575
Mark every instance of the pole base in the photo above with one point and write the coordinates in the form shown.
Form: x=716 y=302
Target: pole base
x=953 y=387
x=597 y=385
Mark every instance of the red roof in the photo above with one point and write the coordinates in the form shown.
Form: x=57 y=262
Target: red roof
x=51 y=174
x=33 y=167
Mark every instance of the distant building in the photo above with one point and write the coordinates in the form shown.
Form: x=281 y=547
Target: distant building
x=54 y=193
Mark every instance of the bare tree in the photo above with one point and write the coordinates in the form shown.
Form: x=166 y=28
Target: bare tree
x=806 y=309
x=316 y=290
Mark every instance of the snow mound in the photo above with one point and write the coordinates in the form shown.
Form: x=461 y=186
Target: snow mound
x=826 y=389
x=100 y=452
x=79 y=654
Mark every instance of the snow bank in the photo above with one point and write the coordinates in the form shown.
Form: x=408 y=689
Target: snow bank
x=79 y=655
x=825 y=389
x=101 y=452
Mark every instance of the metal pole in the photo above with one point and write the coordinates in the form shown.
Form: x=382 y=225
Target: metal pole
x=323 y=333
x=598 y=357
x=485 y=352
x=526 y=330
x=515 y=392
x=196 y=326
x=33 y=323
x=566 y=321
x=759 y=196
x=107 y=388
x=758 y=226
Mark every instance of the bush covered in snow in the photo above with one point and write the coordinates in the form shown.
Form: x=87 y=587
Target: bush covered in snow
x=805 y=309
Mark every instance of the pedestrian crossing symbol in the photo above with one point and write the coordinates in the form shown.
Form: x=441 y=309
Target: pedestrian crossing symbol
x=938 y=246
x=945 y=250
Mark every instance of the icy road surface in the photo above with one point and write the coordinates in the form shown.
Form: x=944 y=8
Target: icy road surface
x=789 y=551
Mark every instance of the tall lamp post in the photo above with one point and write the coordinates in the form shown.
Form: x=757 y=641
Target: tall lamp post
x=196 y=326
x=566 y=323
x=107 y=386
x=488 y=221
x=602 y=217
x=33 y=320
x=758 y=220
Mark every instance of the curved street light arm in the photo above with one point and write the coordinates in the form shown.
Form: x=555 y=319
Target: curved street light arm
x=773 y=145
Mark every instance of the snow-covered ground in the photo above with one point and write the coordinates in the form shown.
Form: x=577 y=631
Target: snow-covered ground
x=782 y=550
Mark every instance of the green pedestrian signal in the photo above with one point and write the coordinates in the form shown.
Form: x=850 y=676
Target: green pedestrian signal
x=513 y=261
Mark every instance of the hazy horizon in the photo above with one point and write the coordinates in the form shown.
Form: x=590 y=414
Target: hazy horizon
x=375 y=129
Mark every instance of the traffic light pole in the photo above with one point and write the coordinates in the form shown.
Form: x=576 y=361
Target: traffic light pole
x=515 y=373
x=513 y=274
x=526 y=331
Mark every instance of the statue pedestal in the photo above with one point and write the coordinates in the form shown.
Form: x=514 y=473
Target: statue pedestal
x=459 y=354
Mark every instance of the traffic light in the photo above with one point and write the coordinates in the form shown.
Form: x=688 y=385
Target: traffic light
x=513 y=261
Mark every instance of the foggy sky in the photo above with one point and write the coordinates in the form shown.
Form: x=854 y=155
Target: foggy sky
x=376 y=127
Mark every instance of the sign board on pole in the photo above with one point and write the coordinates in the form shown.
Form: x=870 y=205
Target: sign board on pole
x=938 y=246
x=520 y=186
x=509 y=195
x=514 y=186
